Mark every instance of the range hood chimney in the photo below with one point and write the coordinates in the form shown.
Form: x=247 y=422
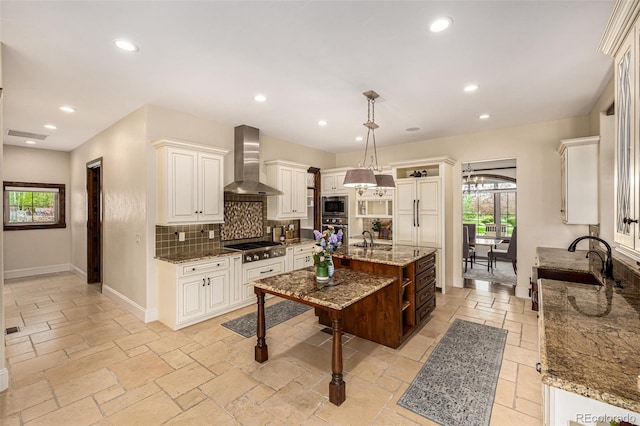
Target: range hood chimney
x=247 y=164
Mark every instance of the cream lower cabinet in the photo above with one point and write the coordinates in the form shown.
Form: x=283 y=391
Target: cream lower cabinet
x=195 y=291
x=299 y=257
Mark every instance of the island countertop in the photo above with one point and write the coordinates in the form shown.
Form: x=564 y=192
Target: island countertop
x=589 y=335
x=397 y=255
x=348 y=287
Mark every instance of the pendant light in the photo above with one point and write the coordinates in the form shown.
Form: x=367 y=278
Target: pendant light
x=364 y=176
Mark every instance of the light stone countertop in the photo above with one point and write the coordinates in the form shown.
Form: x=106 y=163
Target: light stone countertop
x=590 y=335
x=348 y=286
x=397 y=255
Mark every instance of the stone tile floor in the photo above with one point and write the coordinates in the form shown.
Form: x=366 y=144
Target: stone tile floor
x=79 y=359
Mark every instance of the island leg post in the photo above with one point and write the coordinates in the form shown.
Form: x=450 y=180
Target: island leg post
x=262 y=350
x=337 y=386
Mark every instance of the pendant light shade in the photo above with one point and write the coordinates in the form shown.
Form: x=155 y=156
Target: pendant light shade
x=360 y=177
x=363 y=177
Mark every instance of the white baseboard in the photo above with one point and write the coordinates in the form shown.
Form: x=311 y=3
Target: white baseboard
x=39 y=270
x=4 y=379
x=146 y=315
x=458 y=282
x=78 y=272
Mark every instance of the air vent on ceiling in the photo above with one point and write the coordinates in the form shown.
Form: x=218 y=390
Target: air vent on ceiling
x=27 y=135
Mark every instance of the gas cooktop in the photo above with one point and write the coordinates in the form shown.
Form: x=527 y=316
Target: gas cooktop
x=258 y=250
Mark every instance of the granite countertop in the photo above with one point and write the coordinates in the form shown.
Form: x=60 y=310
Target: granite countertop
x=590 y=335
x=397 y=255
x=196 y=256
x=348 y=286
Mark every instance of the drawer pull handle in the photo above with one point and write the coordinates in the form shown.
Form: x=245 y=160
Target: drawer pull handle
x=266 y=272
x=193 y=269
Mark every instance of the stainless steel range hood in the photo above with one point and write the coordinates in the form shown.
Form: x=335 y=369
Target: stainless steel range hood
x=247 y=164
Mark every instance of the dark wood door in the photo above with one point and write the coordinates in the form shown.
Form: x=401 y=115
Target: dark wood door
x=94 y=222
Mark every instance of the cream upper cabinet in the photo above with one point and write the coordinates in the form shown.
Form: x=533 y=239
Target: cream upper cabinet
x=190 y=183
x=622 y=41
x=291 y=179
x=332 y=180
x=579 y=180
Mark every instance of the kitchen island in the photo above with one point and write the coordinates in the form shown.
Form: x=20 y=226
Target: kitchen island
x=589 y=343
x=346 y=288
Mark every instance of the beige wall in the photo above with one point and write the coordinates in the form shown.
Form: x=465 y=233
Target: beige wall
x=538 y=176
x=4 y=375
x=49 y=249
x=122 y=148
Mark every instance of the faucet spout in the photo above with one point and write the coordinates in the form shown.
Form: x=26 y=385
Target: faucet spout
x=607 y=264
x=365 y=238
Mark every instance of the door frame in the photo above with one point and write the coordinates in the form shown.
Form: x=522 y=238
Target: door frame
x=94 y=169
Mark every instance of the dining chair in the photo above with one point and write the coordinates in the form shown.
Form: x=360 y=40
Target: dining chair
x=468 y=252
x=472 y=233
x=511 y=253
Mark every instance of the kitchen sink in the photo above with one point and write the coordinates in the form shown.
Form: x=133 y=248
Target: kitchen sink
x=570 y=276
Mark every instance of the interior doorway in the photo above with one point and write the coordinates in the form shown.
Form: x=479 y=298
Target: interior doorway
x=94 y=222
x=489 y=216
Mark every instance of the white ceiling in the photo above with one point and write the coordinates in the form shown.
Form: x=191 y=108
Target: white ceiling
x=534 y=61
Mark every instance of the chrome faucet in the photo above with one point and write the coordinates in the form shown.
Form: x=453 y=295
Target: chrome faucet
x=607 y=264
x=365 y=238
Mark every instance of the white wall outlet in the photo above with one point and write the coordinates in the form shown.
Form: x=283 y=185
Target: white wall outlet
x=212 y=234
x=181 y=236
x=138 y=238
x=292 y=227
x=268 y=229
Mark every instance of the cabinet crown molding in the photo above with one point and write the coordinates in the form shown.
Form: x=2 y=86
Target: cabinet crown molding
x=285 y=163
x=188 y=145
x=425 y=161
x=589 y=140
x=620 y=23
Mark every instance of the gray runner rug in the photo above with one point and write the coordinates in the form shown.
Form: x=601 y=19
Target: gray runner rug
x=246 y=325
x=457 y=384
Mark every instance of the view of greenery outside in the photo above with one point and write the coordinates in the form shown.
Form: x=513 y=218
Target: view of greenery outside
x=31 y=206
x=479 y=203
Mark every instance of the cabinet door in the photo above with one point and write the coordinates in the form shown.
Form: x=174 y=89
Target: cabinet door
x=217 y=295
x=428 y=207
x=405 y=217
x=300 y=193
x=210 y=188
x=182 y=186
x=626 y=138
x=191 y=303
x=235 y=280
x=286 y=199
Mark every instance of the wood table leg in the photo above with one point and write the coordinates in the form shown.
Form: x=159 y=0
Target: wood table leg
x=262 y=350
x=337 y=386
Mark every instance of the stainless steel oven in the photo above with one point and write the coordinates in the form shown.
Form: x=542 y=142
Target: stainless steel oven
x=335 y=207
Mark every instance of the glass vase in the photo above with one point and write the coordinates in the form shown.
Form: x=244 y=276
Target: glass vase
x=331 y=268
x=322 y=272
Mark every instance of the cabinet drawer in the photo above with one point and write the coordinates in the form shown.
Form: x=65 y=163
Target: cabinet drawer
x=426 y=293
x=423 y=311
x=198 y=268
x=252 y=273
x=425 y=278
x=306 y=250
x=425 y=263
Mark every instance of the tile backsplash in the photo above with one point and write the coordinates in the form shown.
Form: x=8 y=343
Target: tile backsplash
x=196 y=239
x=242 y=220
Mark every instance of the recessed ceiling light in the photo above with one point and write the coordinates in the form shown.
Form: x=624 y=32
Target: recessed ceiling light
x=359 y=138
x=67 y=108
x=50 y=126
x=322 y=123
x=412 y=129
x=260 y=98
x=30 y=142
x=484 y=116
x=471 y=87
x=125 y=45
x=440 y=24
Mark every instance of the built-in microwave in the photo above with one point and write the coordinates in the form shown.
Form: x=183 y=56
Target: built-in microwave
x=335 y=207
